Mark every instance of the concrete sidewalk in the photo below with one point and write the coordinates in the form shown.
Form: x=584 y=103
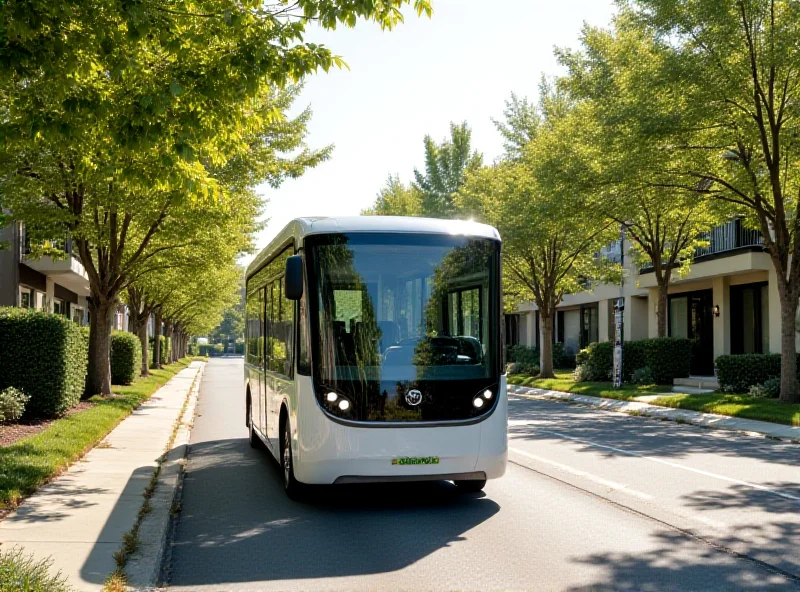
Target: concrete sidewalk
x=708 y=420
x=79 y=519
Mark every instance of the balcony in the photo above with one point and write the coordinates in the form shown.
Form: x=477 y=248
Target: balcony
x=728 y=238
x=68 y=271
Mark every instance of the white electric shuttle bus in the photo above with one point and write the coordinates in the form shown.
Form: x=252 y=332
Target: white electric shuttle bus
x=374 y=352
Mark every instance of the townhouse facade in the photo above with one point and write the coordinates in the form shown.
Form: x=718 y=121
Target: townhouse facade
x=726 y=304
x=59 y=286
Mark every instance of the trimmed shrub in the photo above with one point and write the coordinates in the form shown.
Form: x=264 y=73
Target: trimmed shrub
x=12 y=404
x=524 y=358
x=238 y=348
x=737 y=373
x=597 y=361
x=561 y=357
x=44 y=355
x=211 y=349
x=758 y=391
x=643 y=376
x=773 y=387
x=126 y=357
x=581 y=373
x=667 y=358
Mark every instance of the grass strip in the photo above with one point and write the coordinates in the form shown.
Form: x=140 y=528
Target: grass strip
x=33 y=461
x=563 y=382
x=741 y=406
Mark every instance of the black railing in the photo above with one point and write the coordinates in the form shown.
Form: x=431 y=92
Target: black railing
x=731 y=236
x=62 y=244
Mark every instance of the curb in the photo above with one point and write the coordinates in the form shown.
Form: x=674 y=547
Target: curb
x=143 y=569
x=749 y=427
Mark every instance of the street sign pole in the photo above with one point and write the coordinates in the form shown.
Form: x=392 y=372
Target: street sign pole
x=619 y=314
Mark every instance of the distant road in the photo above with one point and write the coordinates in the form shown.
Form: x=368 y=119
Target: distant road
x=591 y=501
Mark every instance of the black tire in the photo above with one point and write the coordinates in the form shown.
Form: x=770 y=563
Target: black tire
x=255 y=441
x=292 y=487
x=471 y=485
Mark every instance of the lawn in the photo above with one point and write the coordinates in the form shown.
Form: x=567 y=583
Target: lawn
x=564 y=382
x=31 y=462
x=723 y=404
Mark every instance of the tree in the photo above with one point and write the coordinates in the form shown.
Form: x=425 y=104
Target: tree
x=550 y=234
x=446 y=167
x=521 y=123
x=396 y=199
x=231 y=327
x=116 y=117
x=632 y=178
x=737 y=67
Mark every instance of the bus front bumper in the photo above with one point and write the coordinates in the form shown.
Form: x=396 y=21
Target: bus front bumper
x=329 y=452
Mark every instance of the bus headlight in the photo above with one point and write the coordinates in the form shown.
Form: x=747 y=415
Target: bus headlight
x=477 y=402
x=331 y=397
x=487 y=394
x=344 y=404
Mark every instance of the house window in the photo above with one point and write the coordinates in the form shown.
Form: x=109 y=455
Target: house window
x=589 y=325
x=27 y=297
x=59 y=306
x=750 y=319
x=77 y=315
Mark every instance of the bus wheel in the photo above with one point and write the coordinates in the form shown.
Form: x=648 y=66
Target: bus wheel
x=291 y=485
x=471 y=485
x=255 y=441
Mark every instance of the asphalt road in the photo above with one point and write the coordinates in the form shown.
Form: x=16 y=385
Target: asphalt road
x=591 y=501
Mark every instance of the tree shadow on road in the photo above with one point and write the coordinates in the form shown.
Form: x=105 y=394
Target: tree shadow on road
x=236 y=514
x=665 y=439
x=676 y=564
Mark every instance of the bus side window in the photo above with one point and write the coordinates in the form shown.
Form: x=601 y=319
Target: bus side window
x=303 y=359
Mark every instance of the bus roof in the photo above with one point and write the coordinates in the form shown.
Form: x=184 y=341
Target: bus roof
x=299 y=228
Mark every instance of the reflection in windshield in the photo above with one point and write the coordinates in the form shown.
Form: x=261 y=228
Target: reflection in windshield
x=395 y=311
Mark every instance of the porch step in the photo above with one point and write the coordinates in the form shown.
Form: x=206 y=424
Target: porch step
x=701 y=383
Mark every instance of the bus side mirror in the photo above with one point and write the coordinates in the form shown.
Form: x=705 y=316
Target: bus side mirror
x=293 y=288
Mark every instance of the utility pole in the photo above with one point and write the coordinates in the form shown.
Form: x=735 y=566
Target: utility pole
x=619 y=332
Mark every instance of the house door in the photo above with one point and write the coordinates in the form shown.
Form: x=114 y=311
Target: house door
x=691 y=317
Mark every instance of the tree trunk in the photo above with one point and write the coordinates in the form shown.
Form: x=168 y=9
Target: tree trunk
x=168 y=339
x=98 y=379
x=157 y=341
x=546 y=351
x=789 y=390
x=144 y=327
x=662 y=312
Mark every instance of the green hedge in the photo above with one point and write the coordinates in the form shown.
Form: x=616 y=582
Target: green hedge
x=597 y=361
x=126 y=357
x=561 y=357
x=668 y=358
x=45 y=356
x=238 y=348
x=529 y=356
x=737 y=373
x=211 y=349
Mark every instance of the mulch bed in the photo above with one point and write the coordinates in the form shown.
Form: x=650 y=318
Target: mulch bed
x=12 y=432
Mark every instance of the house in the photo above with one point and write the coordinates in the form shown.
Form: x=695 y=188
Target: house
x=727 y=304
x=59 y=286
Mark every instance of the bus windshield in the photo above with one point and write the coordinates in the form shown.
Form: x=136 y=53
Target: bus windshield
x=394 y=312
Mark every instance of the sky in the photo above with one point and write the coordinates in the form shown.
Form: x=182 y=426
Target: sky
x=462 y=64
